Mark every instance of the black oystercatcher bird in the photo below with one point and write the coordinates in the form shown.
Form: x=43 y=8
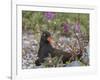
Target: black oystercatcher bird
x=46 y=48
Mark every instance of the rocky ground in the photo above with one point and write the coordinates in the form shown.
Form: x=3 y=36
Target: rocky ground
x=30 y=46
x=29 y=50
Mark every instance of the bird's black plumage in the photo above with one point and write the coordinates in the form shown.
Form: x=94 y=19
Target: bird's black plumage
x=45 y=48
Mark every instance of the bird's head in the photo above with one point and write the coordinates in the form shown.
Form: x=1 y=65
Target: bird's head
x=46 y=37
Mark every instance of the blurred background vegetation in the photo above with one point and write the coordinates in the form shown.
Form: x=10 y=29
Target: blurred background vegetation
x=37 y=21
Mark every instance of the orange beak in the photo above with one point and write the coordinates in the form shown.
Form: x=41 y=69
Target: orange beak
x=50 y=39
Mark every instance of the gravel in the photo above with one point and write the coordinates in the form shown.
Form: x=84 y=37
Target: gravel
x=30 y=49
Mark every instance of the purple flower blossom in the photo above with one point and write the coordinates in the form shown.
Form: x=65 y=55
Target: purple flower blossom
x=49 y=15
x=77 y=27
x=65 y=27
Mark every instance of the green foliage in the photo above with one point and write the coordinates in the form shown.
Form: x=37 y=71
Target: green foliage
x=53 y=62
x=37 y=22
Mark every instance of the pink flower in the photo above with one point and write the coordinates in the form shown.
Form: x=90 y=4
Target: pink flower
x=49 y=15
x=65 y=27
x=77 y=27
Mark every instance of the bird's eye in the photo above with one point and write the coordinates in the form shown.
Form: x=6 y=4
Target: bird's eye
x=44 y=34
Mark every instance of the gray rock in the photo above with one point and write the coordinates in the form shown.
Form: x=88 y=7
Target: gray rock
x=74 y=63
